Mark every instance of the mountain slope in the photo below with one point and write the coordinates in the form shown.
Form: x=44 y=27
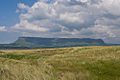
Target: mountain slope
x=35 y=42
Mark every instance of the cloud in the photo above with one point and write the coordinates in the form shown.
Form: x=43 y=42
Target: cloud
x=71 y=18
x=2 y=28
x=25 y=25
x=22 y=7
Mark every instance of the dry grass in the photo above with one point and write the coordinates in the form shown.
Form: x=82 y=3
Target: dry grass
x=77 y=63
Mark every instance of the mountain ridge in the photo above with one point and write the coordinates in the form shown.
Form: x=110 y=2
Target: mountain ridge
x=43 y=42
x=56 y=42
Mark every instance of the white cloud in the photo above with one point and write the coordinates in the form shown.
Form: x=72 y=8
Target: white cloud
x=23 y=6
x=25 y=25
x=72 y=18
x=2 y=28
x=112 y=6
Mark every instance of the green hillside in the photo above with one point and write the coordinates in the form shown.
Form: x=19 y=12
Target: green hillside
x=75 y=63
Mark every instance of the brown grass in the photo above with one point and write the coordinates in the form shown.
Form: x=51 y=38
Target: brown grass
x=75 y=63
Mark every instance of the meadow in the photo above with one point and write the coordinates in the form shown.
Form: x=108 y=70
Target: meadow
x=74 y=63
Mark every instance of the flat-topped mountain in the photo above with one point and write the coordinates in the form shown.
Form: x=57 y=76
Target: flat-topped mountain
x=39 y=42
x=56 y=42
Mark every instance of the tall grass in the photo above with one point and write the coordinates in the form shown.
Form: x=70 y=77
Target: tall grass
x=15 y=70
x=86 y=63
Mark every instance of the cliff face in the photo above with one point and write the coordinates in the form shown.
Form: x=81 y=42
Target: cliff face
x=33 y=42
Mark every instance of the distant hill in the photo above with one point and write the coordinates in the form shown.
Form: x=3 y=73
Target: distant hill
x=38 y=42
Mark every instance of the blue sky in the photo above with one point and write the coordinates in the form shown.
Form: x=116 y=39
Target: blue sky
x=60 y=18
x=9 y=17
x=7 y=12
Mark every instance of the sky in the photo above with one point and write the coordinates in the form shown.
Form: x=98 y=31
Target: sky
x=60 y=18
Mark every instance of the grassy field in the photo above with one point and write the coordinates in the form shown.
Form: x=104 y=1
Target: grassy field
x=79 y=63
